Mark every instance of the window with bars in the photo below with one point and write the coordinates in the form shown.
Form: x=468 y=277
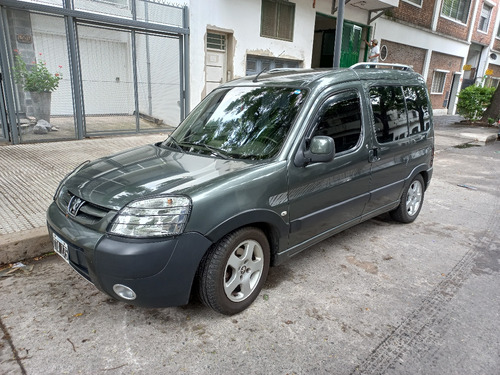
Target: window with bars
x=456 y=9
x=257 y=64
x=216 y=41
x=484 y=19
x=438 y=81
x=277 y=19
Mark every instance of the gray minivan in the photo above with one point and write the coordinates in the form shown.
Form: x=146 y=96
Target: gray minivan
x=263 y=168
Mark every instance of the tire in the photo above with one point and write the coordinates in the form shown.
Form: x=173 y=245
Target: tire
x=234 y=270
x=411 y=202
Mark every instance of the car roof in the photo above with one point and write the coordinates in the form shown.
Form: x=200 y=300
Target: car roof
x=318 y=77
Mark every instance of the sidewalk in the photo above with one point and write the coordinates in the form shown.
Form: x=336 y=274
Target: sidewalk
x=30 y=174
x=449 y=132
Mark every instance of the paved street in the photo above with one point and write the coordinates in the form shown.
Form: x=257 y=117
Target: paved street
x=380 y=298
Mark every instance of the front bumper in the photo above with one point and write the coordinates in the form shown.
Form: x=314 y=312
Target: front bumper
x=159 y=271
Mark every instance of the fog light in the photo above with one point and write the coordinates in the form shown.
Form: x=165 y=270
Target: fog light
x=124 y=291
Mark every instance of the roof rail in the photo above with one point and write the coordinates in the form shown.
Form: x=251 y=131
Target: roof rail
x=364 y=65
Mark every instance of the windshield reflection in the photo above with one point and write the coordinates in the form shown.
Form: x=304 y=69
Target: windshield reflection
x=239 y=122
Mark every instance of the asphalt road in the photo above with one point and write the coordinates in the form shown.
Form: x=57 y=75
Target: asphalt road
x=380 y=298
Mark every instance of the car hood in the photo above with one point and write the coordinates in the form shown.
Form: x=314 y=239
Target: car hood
x=116 y=180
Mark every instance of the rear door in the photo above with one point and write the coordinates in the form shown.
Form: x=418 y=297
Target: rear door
x=326 y=197
x=420 y=127
x=389 y=151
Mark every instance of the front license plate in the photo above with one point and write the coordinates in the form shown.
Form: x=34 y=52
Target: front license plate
x=60 y=247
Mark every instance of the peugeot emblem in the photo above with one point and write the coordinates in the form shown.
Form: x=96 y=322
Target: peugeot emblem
x=74 y=205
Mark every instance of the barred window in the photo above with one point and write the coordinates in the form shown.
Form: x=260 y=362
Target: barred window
x=277 y=19
x=438 y=80
x=456 y=9
x=257 y=64
x=216 y=41
x=484 y=19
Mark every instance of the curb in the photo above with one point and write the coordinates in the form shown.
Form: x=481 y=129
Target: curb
x=481 y=138
x=24 y=245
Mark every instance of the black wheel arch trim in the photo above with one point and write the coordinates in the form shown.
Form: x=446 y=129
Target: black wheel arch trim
x=423 y=170
x=273 y=225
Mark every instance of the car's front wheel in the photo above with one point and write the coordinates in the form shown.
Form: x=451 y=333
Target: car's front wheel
x=411 y=202
x=233 y=271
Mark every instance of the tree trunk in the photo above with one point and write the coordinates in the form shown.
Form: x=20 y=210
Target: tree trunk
x=493 y=110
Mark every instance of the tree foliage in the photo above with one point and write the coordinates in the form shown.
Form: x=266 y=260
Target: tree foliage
x=473 y=100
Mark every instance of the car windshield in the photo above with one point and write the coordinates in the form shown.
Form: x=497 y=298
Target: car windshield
x=240 y=123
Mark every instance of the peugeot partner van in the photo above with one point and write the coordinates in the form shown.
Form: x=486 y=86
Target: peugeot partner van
x=262 y=169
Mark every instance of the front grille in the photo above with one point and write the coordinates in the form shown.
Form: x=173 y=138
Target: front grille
x=92 y=213
x=84 y=212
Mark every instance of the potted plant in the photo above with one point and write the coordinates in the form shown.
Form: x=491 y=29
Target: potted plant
x=39 y=82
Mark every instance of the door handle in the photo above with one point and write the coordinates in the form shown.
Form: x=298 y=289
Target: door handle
x=373 y=155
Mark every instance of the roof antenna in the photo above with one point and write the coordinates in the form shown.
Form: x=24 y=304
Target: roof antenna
x=258 y=75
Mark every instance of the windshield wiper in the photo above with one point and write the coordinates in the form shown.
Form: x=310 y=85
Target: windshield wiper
x=212 y=149
x=176 y=144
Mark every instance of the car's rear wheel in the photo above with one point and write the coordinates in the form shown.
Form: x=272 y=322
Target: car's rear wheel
x=233 y=271
x=411 y=202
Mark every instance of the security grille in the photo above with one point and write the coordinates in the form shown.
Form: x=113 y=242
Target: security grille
x=216 y=41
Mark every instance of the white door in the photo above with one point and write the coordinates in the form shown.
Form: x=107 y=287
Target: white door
x=454 y=93
x=215 y=61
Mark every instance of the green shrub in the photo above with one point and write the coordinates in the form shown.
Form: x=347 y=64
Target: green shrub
x=473 y=101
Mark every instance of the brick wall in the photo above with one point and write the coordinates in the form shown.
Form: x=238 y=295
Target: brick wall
x=456 y=29
x=496 y=44
x=440 y=61
x=496 y=70
x=484 y=38
x=451 y=28
x=420 y=16
x=404 y=54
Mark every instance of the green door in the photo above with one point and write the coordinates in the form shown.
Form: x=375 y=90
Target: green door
x=351 y=45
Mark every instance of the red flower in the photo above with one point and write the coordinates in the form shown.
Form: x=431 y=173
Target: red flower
x=60 y=66
x=57 y=74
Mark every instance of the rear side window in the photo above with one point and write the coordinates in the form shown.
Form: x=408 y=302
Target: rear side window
x=418 y=109
x=389 y=113
x=340 y=118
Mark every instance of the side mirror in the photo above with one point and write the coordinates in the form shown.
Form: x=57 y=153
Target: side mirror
x=321 y=150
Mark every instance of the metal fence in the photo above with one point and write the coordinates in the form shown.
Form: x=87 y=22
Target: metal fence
x=121 y=67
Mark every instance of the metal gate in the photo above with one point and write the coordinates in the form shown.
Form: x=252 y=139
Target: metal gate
x=113 y=67
x=3 y=115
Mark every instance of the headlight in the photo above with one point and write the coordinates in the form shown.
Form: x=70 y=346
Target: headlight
x=153 y=217
x=66 y=178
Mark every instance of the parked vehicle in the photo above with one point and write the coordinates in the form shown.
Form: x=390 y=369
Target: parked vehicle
x=263 y=168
